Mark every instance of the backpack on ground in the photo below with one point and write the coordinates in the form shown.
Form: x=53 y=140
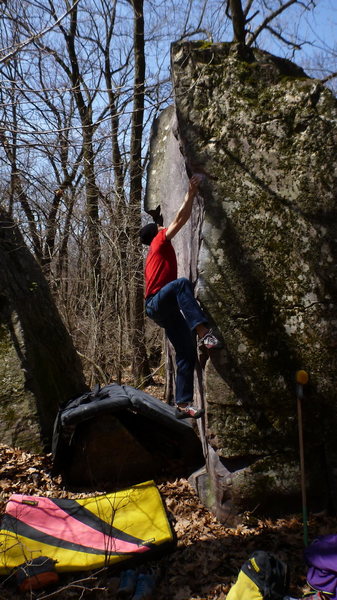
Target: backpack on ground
x=262 y=577
x=321 y=558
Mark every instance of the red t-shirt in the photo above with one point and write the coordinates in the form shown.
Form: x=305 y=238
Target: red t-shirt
x=160 y=265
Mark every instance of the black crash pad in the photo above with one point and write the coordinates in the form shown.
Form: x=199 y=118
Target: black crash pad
x=118 y=435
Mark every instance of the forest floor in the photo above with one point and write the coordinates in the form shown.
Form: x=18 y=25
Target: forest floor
x=206 y=559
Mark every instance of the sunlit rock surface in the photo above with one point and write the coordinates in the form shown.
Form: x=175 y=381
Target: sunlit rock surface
x=261 y=248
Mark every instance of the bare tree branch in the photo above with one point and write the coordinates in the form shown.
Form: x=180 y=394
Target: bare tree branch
x=247 y=8
x=329 y=77
x=270 y=18
x=36 y=36
x=278 y=35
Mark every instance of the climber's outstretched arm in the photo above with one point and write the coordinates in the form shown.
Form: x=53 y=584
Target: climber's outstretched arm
x=185 y=210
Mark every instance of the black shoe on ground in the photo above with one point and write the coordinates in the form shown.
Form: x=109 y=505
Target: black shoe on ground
x=145 y=587
x=127 y=583
x=189 y=412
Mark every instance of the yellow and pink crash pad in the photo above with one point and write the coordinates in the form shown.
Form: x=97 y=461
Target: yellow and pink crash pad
x=86 y=533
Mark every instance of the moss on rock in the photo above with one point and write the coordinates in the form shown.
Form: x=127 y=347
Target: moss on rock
x=266 y=135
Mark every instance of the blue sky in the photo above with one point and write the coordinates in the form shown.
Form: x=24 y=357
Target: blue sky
x=316 y=29
x=320 y=26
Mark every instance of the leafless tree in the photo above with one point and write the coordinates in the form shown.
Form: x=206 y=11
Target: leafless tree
x=81 y=83
x=247 y=27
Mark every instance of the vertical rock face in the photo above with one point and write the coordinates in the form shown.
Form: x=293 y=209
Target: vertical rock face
x=39 y=367
x=264 y=260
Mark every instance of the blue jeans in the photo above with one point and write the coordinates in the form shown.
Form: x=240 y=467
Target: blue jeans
x=175 y=309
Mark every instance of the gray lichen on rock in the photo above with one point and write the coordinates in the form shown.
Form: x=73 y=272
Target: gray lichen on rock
x=266 y=135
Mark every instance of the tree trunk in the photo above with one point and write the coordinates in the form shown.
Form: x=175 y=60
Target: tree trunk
x=238 y=20
x=140 y=366
x=92 y=191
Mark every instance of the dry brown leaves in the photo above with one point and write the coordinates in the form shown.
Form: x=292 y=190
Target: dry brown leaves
x=207 y=557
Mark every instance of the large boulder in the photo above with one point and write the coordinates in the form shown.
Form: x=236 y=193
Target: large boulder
x=261 y=248
x=39 y=367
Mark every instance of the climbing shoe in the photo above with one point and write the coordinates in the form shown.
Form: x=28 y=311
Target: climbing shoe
x=210 y=341
x=145 y=586
x=127 y=583
x=189 y=412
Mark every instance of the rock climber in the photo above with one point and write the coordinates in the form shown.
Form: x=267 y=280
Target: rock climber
x=170 y=302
